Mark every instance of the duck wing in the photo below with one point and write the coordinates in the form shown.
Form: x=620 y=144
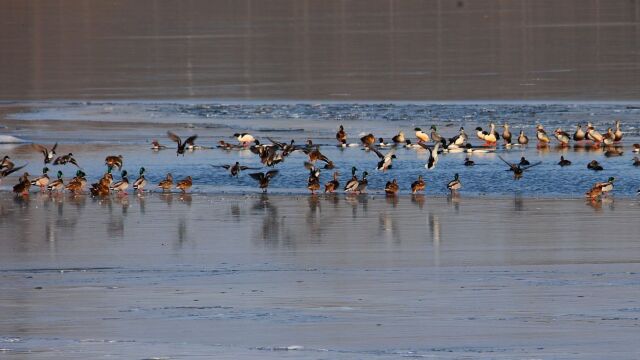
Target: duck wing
x=174 y=138
x=271 y=173
x=191 y=139
x=257 y=176
x=527 y=167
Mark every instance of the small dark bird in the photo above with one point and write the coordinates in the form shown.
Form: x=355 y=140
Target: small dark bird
x=62 y=160
x=564 y=162
x=341 y=136
x=235 y=169
x=469 y=162
x=313 y=183
x=594 y=165
x=524 y=162
x=636 y=161
x=264 y=178
x=518 y=169
x=181 y=145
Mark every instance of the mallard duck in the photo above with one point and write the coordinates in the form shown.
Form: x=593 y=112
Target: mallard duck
x=435 y=137
x=399 y=138
x=368 y=140
x=114 y=161
x=48 y=154
x=541 y=134
x=618 y=133
x=315 y=155
x=562 y=137
x=524 y=162
x=184 y=184
x=468 y=162
x=43 y=180
x=181 y=145
x=64 y=159
x=433 y=156
x=228 y=146
x=564 y=162
x=455 y=184
x=385 y=160
x=421 y=135
x=76 y=185
x=9 y=168
x=167 y=183
x=236 y=168
x=362 y=184
x=417 y=185
x=156 y=146
x=57 y=184
x=313 y=182
x=609 y=137
x=6 y=163
x=391 y=188
x=122 y=185
x=287 y=148
x=102 y=187
x=23 y=185
x=636 y=161
x=140 y=182
x=579 y=135
x=332 y=185
x=244 y=138
x=352 y=184
x=594 y=165
x=264 y=178
x=341 y=136
x=522 y=138
x=600 y=188
x=506 y=134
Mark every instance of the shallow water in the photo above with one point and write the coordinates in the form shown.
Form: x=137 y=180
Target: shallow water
x=171 y=276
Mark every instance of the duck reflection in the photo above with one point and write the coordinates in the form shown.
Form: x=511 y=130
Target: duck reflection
x=418 y=199
x=454 y=200
x=392 y=200
x=186 y=198
x=270 y=229
x=389 y=228
x=166 y=197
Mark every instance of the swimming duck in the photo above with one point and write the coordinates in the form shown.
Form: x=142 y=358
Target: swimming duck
x=564 y=162
x=421 y=135
x=236 y=168
x=506 y=134
x=23 y=185
x=385 y=160
x=140 y=182
x=362 y=184
x=562 y=137
x=57 y=184
x=167 y=183
x=244 y=138
x=48 y=154
x=368 y=140
x=636 y=148
x=399 y=138
x=410 y=145
x=618 y=133
x=63 y=160
x=341 y=136
x=455 y=184
x=391 y=188
x=612 y=151
x=600 y=188
x=468 y=162
x=352 y=184
x=313 y=182
x=435 y=137
x=522 y=138
x=332 y=185
x=122 y=185
x=228 y=146
x=181 y=145
x=636 y=161
x=579 y=135
x=524 y=162
x=382 y=144
x=433 y=156
x=417 y=185
x=541 y=134
x=594 y=165
x=114 y=161
x=264 y=178
x=43 y=180
x=156 y=146
x=184 y=184
x=609 y=137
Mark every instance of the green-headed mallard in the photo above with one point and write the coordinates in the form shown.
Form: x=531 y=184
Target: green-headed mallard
x=455 y=184
x=57 y=184
x=43 y=180
x=352 y=184
x=600 y=188
x=140 y=182
x=363 y=183
x=122 y=185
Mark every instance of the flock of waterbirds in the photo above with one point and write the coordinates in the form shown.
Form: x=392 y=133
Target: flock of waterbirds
x=276 y=152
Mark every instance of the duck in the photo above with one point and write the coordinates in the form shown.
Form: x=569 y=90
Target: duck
x=264 y=178
x=562 y=137
x=468 y=162
x=341 y=136
x=417 y=185
x=455 y=184
x=563 y=162
x=57 y=184
x=140 y=182
x=156 y=146
x=522 y=138
x=593 y=135
x=23 y=185
x=181 y=145
x=313 y=182
x=167 y=183
x=493 y=132
x=524 y=162
x=541 y=134
x=362 y=184
x=76 y=185
x=594 y=165
x=4 y=172
x=399 y=138
x=236 y=168
x=287 y=148
x=618 y=133
x=48 y=154
x=480 y=134
x=519 y=169
x=6 y=163
x=409 y=145
x=122 y=185
x=391 y=188
x=382 y=144
x=435 y=137
x=43 y=180
x=636 y=161
x=635 y=148
x=244 y=138
x=458 y=140
x=64 y=159
x=600 y=188
x=114 y=161
x=506 y=134
x=579 y=135
x=228 y=146
x=185 y=184
x=609 y=137
x=421 y=135
x=332 y=185
x=385 y=159
x=315 y=155
x=352 y=184
x=433 y=156
x=368 y=140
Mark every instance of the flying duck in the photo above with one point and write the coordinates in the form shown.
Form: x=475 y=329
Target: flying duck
x=48 y=154
x=385 y=160
x=64 y=159
x=264 y=178
x=114 y=161
x=181 y=145
x=518 y=169
x=433 y=156
x=236 y=168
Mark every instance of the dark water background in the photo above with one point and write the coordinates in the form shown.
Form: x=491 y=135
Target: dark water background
x=337 y=49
